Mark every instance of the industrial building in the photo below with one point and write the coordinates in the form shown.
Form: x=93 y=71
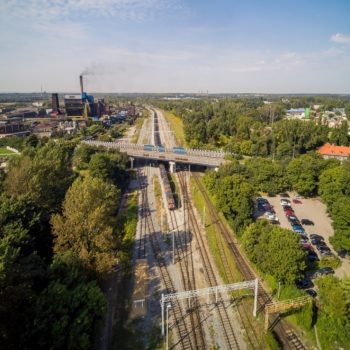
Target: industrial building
x=8 y=128
x=84 y=104
x=74 y=105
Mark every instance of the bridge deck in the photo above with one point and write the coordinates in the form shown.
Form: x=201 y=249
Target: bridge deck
x=191 y=156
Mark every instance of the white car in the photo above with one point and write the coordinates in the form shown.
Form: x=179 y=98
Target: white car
x=284 y=201
x=271 y=216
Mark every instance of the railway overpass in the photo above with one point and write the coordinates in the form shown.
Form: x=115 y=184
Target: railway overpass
x=191 y=156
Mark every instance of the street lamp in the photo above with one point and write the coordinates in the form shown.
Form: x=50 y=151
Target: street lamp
x=167 y=326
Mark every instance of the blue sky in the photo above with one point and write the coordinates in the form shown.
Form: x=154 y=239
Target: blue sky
x=176 y=45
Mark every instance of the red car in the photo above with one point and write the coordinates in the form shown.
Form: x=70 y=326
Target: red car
x=296 y=201
x=289 y=212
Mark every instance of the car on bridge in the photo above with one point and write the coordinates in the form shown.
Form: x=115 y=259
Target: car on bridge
x=179 y=150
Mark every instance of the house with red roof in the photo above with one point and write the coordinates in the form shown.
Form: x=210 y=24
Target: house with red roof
x=332 y=151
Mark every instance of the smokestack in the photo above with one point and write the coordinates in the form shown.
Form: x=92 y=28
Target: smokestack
x=81 y=84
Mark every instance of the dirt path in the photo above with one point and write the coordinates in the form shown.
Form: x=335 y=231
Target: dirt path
x=110 y=289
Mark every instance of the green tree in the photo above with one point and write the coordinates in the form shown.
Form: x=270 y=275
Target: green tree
x=234 y=197
x=303 y=173
x=71 y=308
x=267 y=175
x=86 y=226
x=109 y=166
x=276 y=251
x=22 y=270
x=44 y=177
x=333 y=318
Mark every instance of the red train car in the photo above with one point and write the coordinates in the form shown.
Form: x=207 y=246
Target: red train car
x=168 y=192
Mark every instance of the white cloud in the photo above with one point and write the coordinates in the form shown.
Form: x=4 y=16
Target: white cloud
x=340 y=38
x=51 y=9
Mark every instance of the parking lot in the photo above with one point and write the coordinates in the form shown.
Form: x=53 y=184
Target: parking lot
x=312 y=209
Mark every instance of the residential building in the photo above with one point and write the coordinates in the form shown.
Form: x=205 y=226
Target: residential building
x=332 y=151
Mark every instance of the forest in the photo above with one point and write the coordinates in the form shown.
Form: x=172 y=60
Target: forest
x=251 y=128
x=58 y=242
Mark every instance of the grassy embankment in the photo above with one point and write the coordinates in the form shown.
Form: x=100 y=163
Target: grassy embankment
x=213 y=237
x=159 y=204
x=6 y=152
x=138 y=125
x=176 y=125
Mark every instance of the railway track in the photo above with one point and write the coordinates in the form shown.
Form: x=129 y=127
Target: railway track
x=287 y=336
x=184 y=335
x=225 y=322
x=183 y=249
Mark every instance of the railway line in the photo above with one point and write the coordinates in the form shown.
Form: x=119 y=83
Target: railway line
x=183 y=248
x=187 y=333
x=287 y=336
x=224 y=319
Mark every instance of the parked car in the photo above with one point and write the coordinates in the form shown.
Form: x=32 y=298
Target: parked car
x=316 y=236
x=275 y=222
x=312 y=256
x=342 y=253
x=303 y=235
x=267 y=207
x=284 y=195
x=298 y=229
x=291 y=217
x=284 y=201
x=303 y=241
x=326 y=253
x=298 y=196
x=287 y=207
x=322 y=272
x=304 y=283
x=311 y=292
x=322 y=248
x=307 y=222
x=327 y=271
x=314 y=241
x=289 y=212
x=262 y=200
x=296 y=201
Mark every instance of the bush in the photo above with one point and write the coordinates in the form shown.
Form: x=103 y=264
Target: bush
x=331 y=261
x=271 y=342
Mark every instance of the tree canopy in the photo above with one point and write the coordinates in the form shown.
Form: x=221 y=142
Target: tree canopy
x=276 y=251
x=87 y=223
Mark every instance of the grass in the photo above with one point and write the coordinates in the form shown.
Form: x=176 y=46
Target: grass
x=5 y=151
x=138 y=126
x=159 y=203
x=126 y=228
x=176 y=125
x=213 y=236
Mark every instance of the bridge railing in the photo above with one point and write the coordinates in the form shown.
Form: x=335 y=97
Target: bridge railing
x=131 y=146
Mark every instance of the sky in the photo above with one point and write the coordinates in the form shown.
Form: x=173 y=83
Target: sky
x=167 y=46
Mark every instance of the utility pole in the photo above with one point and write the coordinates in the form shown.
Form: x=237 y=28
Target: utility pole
x=167 y=326
x=204 y=216
x=279 y=289
x=173 y=234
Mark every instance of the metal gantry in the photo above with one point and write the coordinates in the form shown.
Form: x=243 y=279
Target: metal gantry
x=167 y=298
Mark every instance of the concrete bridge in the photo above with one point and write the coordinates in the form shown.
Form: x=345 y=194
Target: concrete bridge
x=190 y=156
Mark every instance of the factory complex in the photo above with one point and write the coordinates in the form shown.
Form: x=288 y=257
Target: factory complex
x=64 y=114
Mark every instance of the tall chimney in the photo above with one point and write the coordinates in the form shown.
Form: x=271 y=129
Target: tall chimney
x=81 y=84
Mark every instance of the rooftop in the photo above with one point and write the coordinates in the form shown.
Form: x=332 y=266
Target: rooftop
x=333 y=150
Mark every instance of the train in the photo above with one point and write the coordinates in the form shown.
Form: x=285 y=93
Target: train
x=176 y=150
x=168 y=192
